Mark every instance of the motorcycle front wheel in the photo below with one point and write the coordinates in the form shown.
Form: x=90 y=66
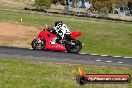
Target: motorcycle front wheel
x=35 y=45
x=74 y=46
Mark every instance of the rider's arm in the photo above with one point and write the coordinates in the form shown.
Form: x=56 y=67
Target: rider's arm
x=66 y=28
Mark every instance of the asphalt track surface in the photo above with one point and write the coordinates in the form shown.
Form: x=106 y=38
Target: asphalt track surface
x=62 y=57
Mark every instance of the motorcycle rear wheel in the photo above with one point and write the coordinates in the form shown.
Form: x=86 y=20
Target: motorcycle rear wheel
x=74 y=48
x=38 y=46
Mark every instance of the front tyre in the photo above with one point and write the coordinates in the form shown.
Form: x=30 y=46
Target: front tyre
x=74 y=46
x=38 y=45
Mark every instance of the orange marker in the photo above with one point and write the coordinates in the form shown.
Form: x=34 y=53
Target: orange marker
x=21 y=20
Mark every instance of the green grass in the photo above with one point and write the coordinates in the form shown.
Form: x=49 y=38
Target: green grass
x=99 y=36
x=14 y=4
x=29 y=74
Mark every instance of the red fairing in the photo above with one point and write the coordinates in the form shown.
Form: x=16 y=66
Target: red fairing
x=58 y=47
x=75 y=34
x=48 y=37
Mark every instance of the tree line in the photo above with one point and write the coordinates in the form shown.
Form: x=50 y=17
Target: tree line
x=96 y=4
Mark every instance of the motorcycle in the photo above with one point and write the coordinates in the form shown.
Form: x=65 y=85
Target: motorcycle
x=48 y=39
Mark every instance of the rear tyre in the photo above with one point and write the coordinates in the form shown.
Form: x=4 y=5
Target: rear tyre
x=38 y=46
x=74 y=46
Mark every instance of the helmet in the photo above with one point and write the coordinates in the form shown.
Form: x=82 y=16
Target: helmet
x=58 y=23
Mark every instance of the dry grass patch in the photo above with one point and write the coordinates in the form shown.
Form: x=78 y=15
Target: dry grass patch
x=16 y=35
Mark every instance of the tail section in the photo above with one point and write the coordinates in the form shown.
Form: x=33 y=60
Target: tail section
x=75 y=34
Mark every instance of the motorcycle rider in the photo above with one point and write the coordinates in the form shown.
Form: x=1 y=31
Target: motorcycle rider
x=61 y=29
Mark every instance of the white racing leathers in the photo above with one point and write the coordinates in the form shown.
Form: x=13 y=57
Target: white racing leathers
x=62 y=30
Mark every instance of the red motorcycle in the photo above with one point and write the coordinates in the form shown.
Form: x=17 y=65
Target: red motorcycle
x=68 y=44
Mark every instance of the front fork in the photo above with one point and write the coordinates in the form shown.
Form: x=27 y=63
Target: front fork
x=39 y=42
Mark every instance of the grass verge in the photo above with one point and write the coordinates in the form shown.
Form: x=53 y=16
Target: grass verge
x=29 y=74
x=100 y=37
